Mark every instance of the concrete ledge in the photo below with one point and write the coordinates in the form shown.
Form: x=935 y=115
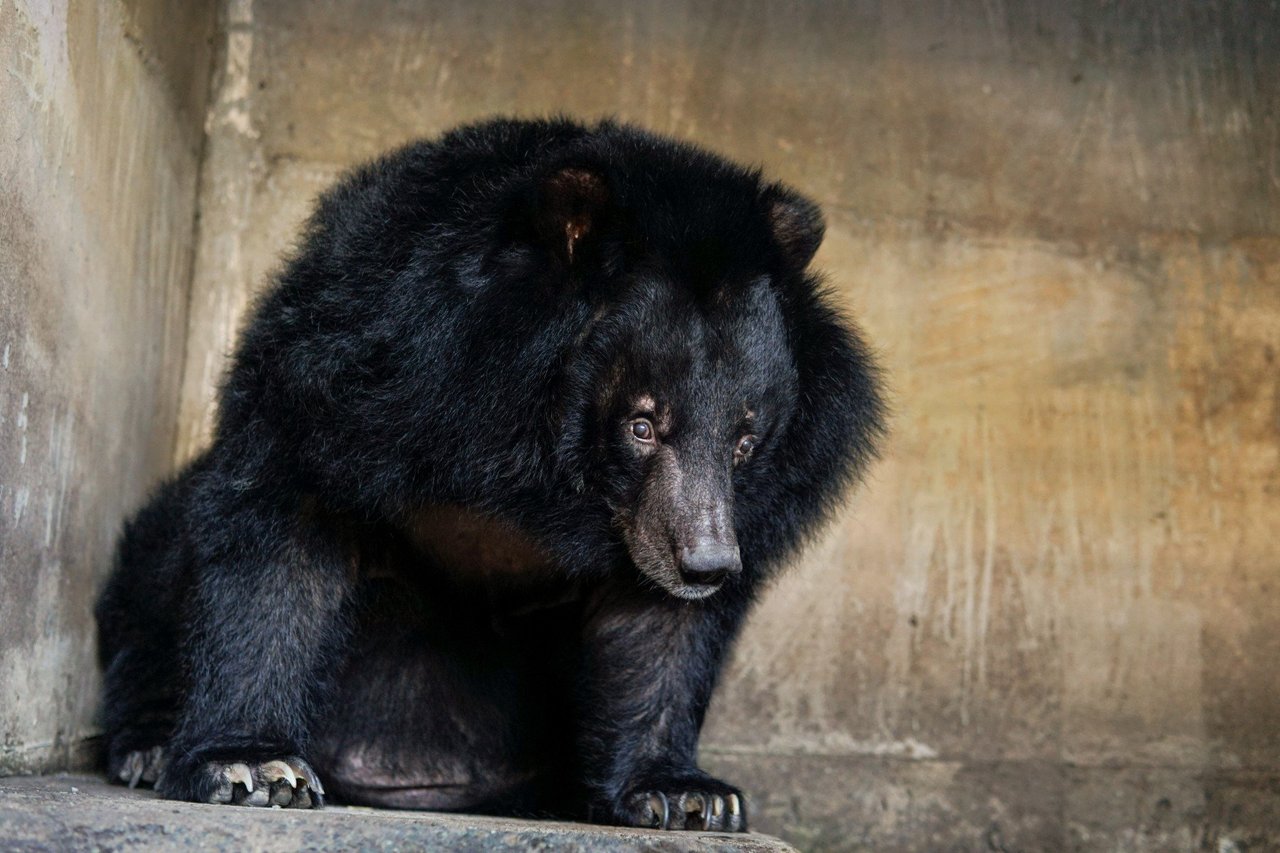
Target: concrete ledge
x=85 y=813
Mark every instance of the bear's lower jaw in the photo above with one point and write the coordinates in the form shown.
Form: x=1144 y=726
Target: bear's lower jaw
x=692 y=592
x=670 y=582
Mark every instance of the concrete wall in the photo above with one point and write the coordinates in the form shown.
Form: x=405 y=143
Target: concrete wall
x=101 y=109
x=1050 y=620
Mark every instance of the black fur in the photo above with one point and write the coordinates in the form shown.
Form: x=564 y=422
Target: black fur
x=466 y=340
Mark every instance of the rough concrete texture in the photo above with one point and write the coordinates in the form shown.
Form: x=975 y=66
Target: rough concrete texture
x=84 y=813
x=99 y=157
x=1050 y=620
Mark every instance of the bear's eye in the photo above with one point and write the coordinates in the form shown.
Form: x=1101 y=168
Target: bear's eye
x=642 y=430
x=745 y=445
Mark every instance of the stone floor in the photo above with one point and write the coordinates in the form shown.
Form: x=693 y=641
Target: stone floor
x=84 y=813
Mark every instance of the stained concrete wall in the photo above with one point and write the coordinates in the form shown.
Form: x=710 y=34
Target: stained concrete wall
x=101 y=127
x=1050 y=619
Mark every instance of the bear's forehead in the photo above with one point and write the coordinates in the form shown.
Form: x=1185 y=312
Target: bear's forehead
x=739 y=318
x=716 y=357
x=730 y=300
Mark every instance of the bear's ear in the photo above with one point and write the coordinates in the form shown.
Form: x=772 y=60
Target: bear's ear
x=797 y=223
x=570 y=206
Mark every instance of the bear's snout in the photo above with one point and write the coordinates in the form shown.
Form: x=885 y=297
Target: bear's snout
x=708 y=563
x=681 y=534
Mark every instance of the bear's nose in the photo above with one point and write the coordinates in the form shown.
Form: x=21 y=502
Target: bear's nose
x=709 y=563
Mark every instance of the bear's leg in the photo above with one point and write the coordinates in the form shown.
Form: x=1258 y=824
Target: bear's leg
x=649 y=665
x=266 y=630
x=138 y=639
x=440 y=709
x=140 y=703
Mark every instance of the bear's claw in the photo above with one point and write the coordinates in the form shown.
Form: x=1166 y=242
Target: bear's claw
x=701 y=810
x=661 y=809
x=287 y=783
x=142 y=766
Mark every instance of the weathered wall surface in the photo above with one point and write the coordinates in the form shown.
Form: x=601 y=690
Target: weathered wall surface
x=101 y=109
x=1051 y=618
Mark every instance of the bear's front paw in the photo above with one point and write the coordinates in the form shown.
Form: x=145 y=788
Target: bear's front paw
x=685 y=801
x=286 y=782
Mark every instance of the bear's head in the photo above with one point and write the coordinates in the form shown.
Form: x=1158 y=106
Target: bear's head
x=684 y=379
x=689 y=406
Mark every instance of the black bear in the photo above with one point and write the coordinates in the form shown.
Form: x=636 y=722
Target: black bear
x=503 y=457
